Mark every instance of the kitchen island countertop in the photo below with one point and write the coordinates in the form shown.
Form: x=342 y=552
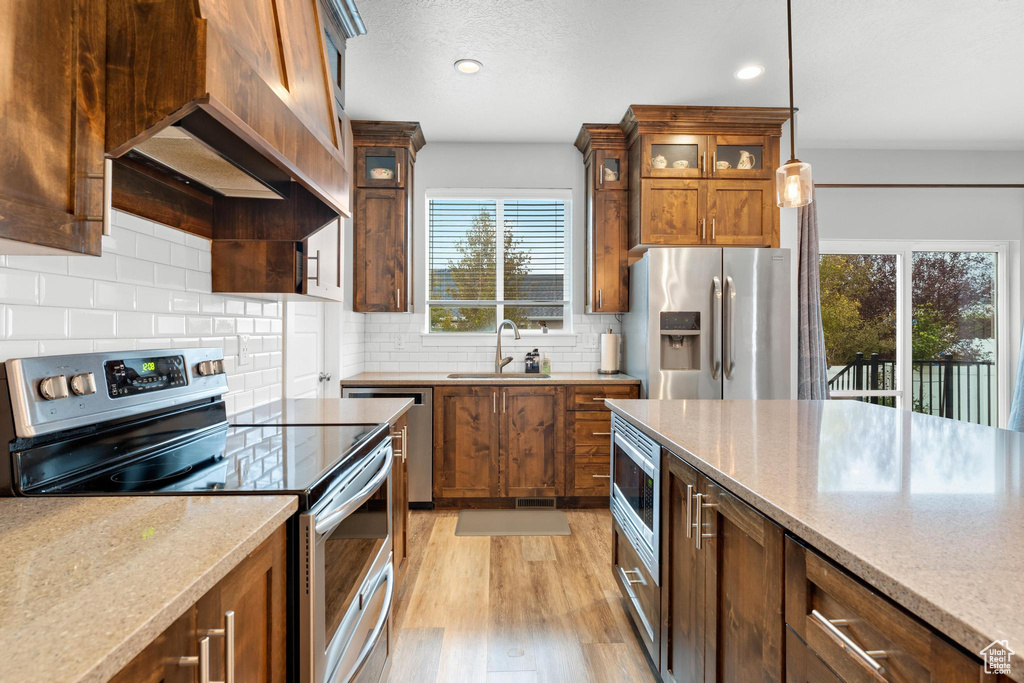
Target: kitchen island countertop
x=929 y=511
x=89 y=582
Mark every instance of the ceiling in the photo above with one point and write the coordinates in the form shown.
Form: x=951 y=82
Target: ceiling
x=910 y=74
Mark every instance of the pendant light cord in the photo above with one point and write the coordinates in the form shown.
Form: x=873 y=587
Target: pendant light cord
x=792 y=114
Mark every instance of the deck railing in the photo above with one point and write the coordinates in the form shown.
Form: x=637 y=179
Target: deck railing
x=960 y=389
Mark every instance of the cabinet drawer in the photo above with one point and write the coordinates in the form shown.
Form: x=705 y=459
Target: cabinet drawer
x=591 y=431
x=642 y=595
x=818 y=594
x=592 y=478
x=592 y=397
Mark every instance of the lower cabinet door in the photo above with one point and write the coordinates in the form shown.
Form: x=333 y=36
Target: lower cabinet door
x=532 y=441
x=743 y=588
x=802 y=665
x=466 y=423
x=255 y=591
x=159 y=662
x=683 y=574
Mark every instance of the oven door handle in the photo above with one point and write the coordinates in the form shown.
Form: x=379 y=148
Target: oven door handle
x=388 y=574
x=327 y=523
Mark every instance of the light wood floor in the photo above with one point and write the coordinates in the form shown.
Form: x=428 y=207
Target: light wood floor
x=513 y=609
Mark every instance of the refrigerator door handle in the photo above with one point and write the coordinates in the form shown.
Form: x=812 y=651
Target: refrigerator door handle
x=716 y=343
x=727 y=326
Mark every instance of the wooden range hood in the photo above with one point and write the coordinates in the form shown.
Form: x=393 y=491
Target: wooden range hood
x=222 y=116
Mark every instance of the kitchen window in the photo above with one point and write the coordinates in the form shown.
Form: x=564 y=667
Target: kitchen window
x=497 y=255
x=921 y=326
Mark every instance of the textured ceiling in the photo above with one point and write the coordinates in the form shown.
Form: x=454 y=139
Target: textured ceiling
x=910 y=73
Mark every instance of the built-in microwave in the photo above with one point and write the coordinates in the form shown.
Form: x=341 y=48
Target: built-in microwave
x=636 y=490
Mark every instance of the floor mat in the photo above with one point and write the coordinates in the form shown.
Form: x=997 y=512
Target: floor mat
x=512 y=523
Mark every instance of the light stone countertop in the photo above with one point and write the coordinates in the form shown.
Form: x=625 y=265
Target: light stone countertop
x=87 y=583
x=419 y=379
x=929 y=511
x=324 y=411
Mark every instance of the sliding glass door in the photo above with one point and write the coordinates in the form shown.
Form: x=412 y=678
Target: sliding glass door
x=918 y=326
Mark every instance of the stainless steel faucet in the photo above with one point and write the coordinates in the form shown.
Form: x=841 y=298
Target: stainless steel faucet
x=500 y=362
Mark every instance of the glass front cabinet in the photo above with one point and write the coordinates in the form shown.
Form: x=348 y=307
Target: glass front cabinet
x=708 y=156
x=381 y=167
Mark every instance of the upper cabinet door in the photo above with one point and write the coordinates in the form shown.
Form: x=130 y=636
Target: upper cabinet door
x=52 y=117
x=673 y=212
x=741 y=213
x=381 y=167
x=610 y=169
x=323 y=256
x=742 y=156
x=380 y=251
x=674 y=156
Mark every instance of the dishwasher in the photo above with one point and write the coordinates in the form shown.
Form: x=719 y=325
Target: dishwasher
x=420 y=447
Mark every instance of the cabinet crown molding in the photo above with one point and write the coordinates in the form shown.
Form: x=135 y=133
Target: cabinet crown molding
x=600 y=136
x=642 y=119
x=406 y=134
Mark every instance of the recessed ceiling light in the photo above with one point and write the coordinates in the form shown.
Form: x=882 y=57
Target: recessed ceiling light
x=748 y=72
x=467 y=66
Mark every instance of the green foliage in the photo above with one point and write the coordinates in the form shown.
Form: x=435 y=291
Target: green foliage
x=933 y=332
x=473 y=277
x=848 y=286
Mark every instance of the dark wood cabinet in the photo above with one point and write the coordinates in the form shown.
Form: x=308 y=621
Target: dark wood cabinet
x=382 y=223
x=532 y=441
x=588 y=437
x=606 y=266
x=741 y=213
x=256 y=592
x=466 y=424
x=672 y=212
x=723 y=576
x=51 y=132
x=803 y=665
x=828 y=609
x=400 y=498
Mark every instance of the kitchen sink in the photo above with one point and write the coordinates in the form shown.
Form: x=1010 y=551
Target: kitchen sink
x=498 y=375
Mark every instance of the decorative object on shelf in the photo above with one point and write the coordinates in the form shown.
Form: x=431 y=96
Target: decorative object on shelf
x=722 y=165
x=659 y=161
x=682 y=163
x=610 y=174
x=793 y=184
x=746 y=161
x=382 y=173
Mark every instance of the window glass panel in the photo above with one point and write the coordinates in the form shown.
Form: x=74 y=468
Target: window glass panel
x=534 y=251
x=457 y=318
x=536 y=317
x=462 y=255
x=953 y=335
x=858 y=312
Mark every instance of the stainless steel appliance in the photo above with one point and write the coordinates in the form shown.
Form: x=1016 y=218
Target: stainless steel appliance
x=709 y=323
x=154 y=423
x=636 y=491
x=421 y=437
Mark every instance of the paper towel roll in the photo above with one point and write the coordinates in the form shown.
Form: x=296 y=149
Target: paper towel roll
x=610 y=353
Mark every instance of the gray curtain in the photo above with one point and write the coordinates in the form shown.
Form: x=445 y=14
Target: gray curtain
x=1016 y=421
x=812 y=370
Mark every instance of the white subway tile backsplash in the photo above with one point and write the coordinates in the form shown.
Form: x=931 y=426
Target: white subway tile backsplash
x=131 y=324
x=92 y=267
x=170 y=277
x=171 y=325
x=114 y=295
x=61 y=290
x=184 y=302
x=19 y=287
x=36 y=322
x=153 y=299
x=41 y=264
x=60 y=347
x=134 y=270
x=86 y=324
x=196 y=281
x=153 y=249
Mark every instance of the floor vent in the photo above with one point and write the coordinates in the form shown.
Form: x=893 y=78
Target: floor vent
x=533 y=503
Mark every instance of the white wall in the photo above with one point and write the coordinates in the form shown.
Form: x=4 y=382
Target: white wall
x=473 y=166
x=925 y=214
x=150 y=289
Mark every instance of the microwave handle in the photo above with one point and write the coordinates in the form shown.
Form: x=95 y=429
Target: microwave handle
x=326 y=523
x=388 y=574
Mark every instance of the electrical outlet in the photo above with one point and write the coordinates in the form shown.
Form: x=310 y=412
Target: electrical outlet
x=590 y=340
x=399 y=341
x=244 y=357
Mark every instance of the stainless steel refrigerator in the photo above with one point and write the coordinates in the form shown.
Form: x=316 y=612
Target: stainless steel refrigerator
x=709 y=323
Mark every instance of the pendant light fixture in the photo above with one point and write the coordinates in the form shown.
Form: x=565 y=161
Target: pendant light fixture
x=793 y=186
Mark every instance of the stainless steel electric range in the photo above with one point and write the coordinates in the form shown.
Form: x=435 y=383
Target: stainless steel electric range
x=154 y=423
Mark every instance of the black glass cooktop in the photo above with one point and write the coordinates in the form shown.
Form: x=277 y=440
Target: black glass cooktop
x=178 y=458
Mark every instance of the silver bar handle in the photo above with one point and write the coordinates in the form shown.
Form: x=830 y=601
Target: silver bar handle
x=601 y=476
x=328 y=522
x=704 y=229
x=716 y=343
x=698 y=526
x=712 y=229
x=600 y=398
x=494 y=402
x=600 y=304
x=405 y=440
x=228 y=633
x=108 y=194
x=388 y=574
x=601 y=433
x=869 y=657
x=398 y=172
x=703 y=162
x=714 y=162
x=627 y=572
x=730 y=299
x=504 y=402
x=398 y=297
x=689 y=508
x=600 y=174
x=202 y=661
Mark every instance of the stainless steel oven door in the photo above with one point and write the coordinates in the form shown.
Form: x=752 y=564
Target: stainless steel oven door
x=346 y=581
x=636 y=498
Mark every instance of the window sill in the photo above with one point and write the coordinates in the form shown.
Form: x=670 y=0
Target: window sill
x=529 y=339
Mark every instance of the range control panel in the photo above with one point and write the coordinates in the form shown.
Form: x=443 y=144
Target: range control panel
x=133 y=376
